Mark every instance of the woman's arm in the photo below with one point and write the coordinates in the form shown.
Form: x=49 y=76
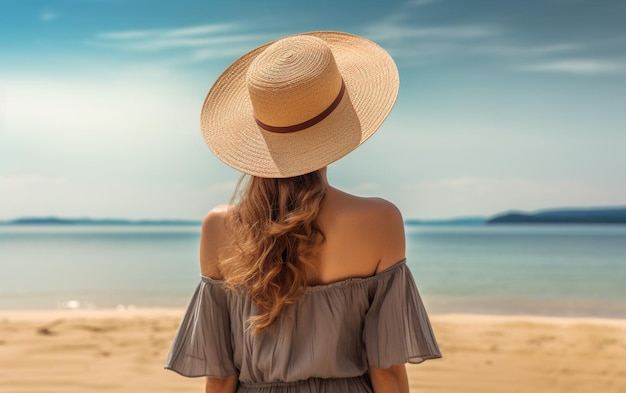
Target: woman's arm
x=212 y=238
x=391 y=226
x=389 y=380
x=221 y=385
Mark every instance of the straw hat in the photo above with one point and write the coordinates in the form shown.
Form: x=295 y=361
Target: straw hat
x=297 y=104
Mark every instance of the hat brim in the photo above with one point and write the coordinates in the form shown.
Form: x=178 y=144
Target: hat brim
x=229 y=129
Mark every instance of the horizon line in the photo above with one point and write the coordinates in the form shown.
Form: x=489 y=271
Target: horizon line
x=32 y=220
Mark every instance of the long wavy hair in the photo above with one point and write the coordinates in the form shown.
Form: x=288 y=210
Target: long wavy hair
x=274 y=222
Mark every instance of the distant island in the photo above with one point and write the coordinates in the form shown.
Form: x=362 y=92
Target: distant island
x=600 y=215
x=564 y=216
x=451 y=221
x=92 y=221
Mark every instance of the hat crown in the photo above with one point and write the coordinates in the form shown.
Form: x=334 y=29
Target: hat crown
x=292 y=81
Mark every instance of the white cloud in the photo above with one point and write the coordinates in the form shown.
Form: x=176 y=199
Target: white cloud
x=124 y=147
x=109 y=109
x=169 y=33
x=404 y=39
x=13 y=182
x=419 y=3
x=192 y=44
x=199 y=55
x=47 y=16
x=577 y=66
x=540 y=50
x=201 y=30
x=423 y=43
x=392 y=31
x=469 y=196
x=366 y=188
x=64 y=197
x=417 y=43
x=165 y=43
x=130 y=130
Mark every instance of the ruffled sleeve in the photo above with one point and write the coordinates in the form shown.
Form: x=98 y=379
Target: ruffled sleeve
x=203 y=343
x=397 y=329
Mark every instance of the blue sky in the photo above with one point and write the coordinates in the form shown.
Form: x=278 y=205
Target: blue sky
x=503 y=105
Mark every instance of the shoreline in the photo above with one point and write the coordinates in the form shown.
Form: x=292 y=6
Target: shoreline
x=84 y=351
x=28 y=314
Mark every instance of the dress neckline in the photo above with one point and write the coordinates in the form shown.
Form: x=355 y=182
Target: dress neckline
x=338 y=283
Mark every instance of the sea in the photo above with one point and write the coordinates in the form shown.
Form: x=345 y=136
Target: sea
x=552 y=270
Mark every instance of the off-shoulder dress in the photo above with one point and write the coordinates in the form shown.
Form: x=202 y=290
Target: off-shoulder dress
x=325 y=342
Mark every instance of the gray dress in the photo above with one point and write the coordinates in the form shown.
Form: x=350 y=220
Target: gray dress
x=325 y=342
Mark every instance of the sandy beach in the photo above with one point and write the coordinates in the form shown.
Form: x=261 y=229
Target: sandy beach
x=113 y=351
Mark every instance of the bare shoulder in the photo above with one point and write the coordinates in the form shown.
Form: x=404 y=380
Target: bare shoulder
x=213 y=238
x=383 y=210
x=376 y=211
x=214 y=219
x=378 y=223
x=387 y=224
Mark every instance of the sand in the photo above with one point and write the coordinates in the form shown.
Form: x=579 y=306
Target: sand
x=112 y=351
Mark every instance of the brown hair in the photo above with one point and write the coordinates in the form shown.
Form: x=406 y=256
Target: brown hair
x=275 y=230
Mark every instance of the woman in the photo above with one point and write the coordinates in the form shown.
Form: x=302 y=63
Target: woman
x=304 y=287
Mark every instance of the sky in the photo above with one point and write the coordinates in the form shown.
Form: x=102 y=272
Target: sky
x=503 y=105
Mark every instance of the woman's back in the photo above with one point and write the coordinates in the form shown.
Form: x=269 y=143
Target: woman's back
x=362 y=236
x=360 y=311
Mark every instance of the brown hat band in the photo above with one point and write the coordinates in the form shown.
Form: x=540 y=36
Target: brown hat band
x=308 y=123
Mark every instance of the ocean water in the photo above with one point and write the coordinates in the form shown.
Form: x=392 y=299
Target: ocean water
x=527 y=269
x=540 y=270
